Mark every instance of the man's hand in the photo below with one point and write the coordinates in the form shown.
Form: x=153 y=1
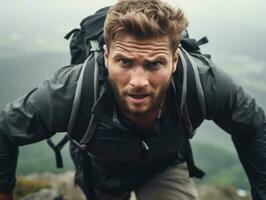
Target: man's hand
x=6 y=196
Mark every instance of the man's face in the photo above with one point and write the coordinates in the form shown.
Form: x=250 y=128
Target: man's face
x=139 y=72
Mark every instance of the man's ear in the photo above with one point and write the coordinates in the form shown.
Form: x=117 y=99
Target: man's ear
x=175 y=59
x=106 y=54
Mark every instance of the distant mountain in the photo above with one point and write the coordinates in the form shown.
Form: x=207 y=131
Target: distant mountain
x=21 y=74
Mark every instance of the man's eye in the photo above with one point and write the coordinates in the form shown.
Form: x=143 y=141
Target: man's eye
x=153 y=65
x=125 y=62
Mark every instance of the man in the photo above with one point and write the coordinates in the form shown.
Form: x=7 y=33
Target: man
x=139 y=102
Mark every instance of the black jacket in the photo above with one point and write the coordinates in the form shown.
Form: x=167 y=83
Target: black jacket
x=46 y=109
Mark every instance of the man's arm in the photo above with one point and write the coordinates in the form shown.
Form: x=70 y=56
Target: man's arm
x=238 y=114
x=8 y=162
x=36 y=116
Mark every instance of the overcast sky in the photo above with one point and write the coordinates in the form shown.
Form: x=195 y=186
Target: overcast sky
x=236 y=30
x=34 y=25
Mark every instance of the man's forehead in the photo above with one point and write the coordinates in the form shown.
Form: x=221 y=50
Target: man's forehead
x=131 y=44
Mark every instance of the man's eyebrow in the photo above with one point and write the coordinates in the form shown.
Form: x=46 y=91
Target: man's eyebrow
x=157 y=57
x=121 y=55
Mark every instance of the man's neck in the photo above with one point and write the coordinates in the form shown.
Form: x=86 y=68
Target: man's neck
x=144 y=121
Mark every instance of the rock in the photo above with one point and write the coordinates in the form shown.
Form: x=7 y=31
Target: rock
x=44 y=194
x=63 y=183
x=220 y=193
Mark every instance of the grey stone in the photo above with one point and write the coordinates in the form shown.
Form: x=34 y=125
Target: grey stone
x=44 y=194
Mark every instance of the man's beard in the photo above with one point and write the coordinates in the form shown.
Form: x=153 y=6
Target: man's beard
x=155 y=99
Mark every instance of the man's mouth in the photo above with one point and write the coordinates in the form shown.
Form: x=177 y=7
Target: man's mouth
x=137 y=98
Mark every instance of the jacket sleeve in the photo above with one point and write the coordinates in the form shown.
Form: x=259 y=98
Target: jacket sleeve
x=36 y=116
x=237 y=113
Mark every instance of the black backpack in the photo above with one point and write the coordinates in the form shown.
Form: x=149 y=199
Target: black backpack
x=86 y=47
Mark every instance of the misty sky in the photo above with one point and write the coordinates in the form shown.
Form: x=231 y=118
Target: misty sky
x=39 y=25
x=235 y=28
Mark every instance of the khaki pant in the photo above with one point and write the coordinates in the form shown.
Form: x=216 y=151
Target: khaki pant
x=172 y=184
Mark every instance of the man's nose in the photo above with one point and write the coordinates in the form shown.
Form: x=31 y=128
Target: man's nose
x=139 y=77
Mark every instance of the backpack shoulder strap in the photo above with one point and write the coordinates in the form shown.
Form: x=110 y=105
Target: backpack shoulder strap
x=193 y=86
x=191 y=91
x=73 y=116
x=86 y=94
x=87 y=86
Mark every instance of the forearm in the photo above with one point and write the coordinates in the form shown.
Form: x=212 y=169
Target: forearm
x=237 y=113
x=251 y=151
x=247 y=126
x=8 y=162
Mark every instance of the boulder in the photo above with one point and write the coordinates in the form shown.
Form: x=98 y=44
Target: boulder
x=44 y=194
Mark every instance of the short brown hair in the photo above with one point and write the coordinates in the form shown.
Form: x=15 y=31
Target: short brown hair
x=144 y=19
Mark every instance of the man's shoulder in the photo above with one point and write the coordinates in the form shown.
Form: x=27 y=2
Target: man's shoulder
x=209 y=72
x=203 y=63
x=67 y=73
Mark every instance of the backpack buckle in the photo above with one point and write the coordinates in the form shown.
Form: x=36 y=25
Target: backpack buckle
x=94 y=45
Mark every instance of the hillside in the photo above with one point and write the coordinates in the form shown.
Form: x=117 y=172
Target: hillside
x=47 y=186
